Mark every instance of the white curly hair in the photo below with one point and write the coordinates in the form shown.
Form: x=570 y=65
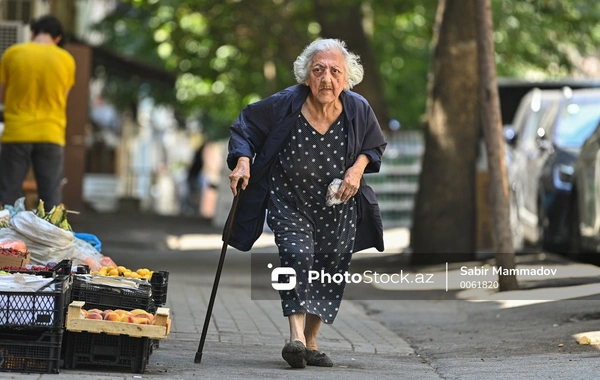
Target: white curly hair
x=354 y=69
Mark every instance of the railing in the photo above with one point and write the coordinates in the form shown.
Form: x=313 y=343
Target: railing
x=398 y=181
x=395 y=185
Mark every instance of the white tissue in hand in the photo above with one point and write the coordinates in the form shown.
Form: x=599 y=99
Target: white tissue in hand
x=332 y=189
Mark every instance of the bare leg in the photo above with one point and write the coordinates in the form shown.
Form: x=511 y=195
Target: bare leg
x=297 y=328
x=313 y=323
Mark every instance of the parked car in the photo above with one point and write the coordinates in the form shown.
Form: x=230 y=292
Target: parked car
x=585 y=214
x=526 y=120
x=546 y=142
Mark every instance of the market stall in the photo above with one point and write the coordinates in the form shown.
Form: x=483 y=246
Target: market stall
x=65 y=305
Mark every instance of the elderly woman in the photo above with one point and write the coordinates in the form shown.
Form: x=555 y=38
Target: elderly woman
x=284 y=152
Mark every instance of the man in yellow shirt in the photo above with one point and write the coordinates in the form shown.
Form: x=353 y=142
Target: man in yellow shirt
x=35 y=79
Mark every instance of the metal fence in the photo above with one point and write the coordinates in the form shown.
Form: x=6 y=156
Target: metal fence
x=397 y=183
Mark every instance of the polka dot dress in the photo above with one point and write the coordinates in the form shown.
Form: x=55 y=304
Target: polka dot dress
x=310 y=235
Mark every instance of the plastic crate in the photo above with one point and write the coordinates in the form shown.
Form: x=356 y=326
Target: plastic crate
x=160 y=283
x=30 y=351
x=61 y=269
x=43 y=308
x=102 y=296
x=102 y=350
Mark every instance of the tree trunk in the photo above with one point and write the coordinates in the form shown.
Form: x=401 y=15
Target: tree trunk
x=346 y=25
x=65 y=11
x=444 y=214
x=492 y=128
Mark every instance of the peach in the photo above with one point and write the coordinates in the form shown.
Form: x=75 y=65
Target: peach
x=95 y=311
x=93 y=315
x=138 y=311
x=121 y=312
x=106 y=312
x=112 y=316
x=148 y=317
x=128 y=318
x=84 y=313
x=141 y=320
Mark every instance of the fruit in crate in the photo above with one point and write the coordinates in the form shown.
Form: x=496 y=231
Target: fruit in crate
x=12 y=252
x=112 y=316
x=142 y=320
x=139 y=311
x=93 y=315
x=114 y=271
x=104 y=312
x=16 y=245
x=121 y=312
x=142 y=316
x=138 y=316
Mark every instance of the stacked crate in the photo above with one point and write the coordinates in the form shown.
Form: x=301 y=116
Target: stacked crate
x=100 y=349
x=31 y=325
x=159 y=282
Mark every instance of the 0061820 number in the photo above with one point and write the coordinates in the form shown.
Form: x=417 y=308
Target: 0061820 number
x=479 y=284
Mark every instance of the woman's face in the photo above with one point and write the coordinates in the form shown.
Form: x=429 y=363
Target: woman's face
x=327 y=77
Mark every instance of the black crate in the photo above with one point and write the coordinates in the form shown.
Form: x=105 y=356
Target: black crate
x=30 y=351
x=61 y=269
x=44 y=308
x=102 y=350
x=160 y=283
x=100 y=296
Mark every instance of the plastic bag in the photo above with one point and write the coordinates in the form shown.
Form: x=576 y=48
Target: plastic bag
x=84 y=253
x=41 y=231
x=332 y=190
x=48 y=243
x=18 y=207
x=45 y=242
x=92 y=239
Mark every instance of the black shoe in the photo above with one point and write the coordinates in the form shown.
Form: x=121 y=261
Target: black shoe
x=318 y=359
x=294 y=353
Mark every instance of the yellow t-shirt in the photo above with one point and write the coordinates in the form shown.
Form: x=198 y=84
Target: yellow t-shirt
x=37 y=78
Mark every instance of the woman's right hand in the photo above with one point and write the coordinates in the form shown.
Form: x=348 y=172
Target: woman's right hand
x=240 y=172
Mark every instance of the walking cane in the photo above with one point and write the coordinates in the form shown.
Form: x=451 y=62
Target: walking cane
x=213 y=294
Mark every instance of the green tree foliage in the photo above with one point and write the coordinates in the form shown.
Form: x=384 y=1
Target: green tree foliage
x=543 y=39
x=229 y=53
x=226 y=53
x=402 y=31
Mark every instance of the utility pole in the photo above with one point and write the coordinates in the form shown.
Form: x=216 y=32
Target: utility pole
x=492 y=128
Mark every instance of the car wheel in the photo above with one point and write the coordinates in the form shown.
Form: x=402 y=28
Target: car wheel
x=515 y=225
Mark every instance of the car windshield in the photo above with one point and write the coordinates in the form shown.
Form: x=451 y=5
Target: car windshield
x=576 y=123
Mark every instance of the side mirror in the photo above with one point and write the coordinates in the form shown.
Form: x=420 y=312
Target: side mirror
x=510 y=134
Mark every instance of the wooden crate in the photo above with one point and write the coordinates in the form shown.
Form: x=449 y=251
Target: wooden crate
x=77 y=323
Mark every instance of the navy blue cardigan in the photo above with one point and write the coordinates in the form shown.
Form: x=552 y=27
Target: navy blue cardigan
x=259 y=133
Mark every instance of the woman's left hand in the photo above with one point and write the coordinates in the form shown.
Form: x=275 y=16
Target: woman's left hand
x=351 y=182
